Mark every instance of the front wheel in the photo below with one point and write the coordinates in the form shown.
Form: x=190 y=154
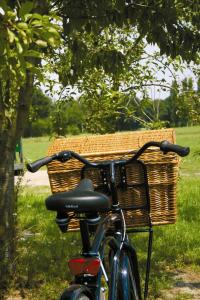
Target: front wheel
x=127 y=282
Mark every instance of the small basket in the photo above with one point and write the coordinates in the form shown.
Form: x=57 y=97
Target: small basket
x=162 y=172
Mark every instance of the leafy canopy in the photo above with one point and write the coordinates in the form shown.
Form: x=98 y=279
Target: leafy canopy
x=25 y=37
x=173 y=24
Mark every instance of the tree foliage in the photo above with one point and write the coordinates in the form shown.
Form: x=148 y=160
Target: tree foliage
x=26 y=36
x=104 y=54
x=183 y=104
x=66 y=118
x=108 y=86
x=38 y=123
x=172 y=25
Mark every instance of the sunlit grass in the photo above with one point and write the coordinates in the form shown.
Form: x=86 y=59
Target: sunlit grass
x=35 y=148
x=190 y=136
x=175 y=246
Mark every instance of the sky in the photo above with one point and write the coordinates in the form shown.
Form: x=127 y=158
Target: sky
x=156 y=93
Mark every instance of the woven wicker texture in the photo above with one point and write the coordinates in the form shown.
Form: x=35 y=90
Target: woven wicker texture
x=162 y=171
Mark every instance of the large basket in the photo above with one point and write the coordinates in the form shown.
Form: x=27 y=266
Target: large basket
x=162 y=172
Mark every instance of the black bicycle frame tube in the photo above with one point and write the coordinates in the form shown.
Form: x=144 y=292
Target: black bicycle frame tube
x=85 y=236
x=100 y=234
x=114 y=276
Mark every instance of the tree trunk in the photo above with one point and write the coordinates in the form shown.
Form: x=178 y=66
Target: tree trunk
x=7 y=215
x=9 y=134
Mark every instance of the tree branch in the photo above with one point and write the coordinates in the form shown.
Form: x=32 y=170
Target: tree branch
x=146 y=84
x=23 y=104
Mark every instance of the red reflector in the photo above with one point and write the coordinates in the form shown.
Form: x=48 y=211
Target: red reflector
x=82 y=265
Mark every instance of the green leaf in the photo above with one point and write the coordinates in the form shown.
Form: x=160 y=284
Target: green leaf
x=38 y=73
x=33 y=53
x=41 y=43
x=35 y=16
x=54 y=31
x=36 y=23
x=22 y=25
x=52 y=42
x=29 y=65
x=11 y=14
x=26 y=8
x=19 y=47
x=11 y=36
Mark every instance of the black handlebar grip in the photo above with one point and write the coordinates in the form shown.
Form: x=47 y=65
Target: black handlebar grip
x=36 y=165
x=167 y=147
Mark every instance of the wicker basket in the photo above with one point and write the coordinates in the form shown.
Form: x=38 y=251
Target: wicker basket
x=162 y=172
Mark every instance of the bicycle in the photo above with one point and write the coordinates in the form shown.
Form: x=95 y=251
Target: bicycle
x=108 y=267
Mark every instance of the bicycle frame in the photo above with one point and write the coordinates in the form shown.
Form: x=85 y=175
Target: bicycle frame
x=119 y=244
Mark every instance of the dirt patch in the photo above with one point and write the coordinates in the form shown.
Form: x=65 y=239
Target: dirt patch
x=17 y=295
x=40 y=178
x=186 y=286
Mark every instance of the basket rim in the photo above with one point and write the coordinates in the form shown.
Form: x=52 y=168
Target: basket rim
x=123 y=152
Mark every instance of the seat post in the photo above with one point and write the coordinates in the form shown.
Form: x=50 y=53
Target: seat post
x=85 y=236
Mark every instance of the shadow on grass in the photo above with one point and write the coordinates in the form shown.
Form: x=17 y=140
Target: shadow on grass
x=43 y=251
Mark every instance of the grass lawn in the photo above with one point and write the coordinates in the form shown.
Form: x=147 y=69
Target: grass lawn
x=190 y=136
x=35 y=148
x=43 y=250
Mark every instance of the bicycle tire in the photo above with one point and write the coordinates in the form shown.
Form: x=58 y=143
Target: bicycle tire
x=82 y=297
x=133 y=289
x=76 y=292
x=127 y=287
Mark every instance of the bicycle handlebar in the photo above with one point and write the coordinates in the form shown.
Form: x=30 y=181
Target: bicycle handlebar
x=64 y=156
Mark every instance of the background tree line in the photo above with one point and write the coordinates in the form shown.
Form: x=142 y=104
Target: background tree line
x=75 y=116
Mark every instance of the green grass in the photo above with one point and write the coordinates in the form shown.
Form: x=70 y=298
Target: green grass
x=42 y=250
x=190 y=136
x=35 y=148
x=175 y=246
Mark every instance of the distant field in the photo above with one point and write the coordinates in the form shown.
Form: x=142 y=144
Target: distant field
x=35 y=148
x=190 y=136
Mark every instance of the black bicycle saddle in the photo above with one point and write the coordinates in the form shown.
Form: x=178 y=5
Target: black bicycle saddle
x=81 y=199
